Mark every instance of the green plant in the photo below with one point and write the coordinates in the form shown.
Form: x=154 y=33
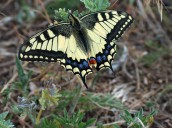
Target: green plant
x=73 y=121
x=50 y=97
x=106 y=101
x=5 y=123
x=56 y=4
x=138 y=120
x=48 y=123
x=96 y=5
x=26 y=107
x=61 y=14
x=22 y=84
x=91 y=5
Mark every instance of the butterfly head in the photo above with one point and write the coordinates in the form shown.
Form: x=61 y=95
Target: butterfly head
x=74 y=21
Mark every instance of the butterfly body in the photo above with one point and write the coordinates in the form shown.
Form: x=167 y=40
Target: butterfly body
x=79 y=44
x=80 y=33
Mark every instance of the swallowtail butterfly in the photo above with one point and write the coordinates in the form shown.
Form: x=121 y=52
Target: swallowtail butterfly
x=80 y=43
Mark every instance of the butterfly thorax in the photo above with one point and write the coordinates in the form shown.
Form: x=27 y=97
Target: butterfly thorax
x=74 y=21
x=80 y=34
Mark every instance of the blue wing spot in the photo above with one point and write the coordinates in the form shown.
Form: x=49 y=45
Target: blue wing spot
x=85 y=64
x=80 y=66
x=104 y=58
x=99 y=59
x=108 y=47
x=106 y=52
x=75 y=64
x=68 y=61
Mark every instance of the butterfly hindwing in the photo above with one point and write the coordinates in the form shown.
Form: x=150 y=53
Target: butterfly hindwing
x=104 y=29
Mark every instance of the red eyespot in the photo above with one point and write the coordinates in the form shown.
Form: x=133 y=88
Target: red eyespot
x=92 y=61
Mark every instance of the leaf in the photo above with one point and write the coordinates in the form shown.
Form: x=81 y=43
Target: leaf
x=5 y=123
x=104 y=100
x=90 y=122
x=49 y=123
x=139 y=114
x=3 y=115
x=22 y=76
x=135 y=121
x=49 y=98
x=61 y=14
x=23 y=82
x=55 y=4
x=116 y=126
x=73 y=121
x=96 y=5
x=127 y=117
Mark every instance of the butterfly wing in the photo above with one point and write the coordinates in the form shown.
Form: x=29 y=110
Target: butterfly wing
x=103 y=30
x=56 y=43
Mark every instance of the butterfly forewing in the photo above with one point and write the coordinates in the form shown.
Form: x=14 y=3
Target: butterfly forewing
x=48 y=45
